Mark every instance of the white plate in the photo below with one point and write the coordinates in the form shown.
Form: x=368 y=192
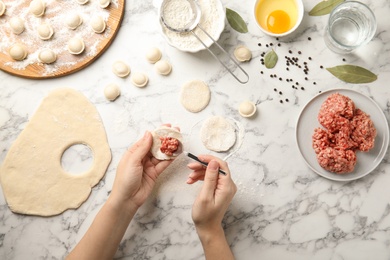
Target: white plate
x=177 y=41
x=366 y=161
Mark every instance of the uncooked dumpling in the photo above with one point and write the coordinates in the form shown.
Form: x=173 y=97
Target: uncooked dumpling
x=47 y=56
x=162 y=138
x=82 y=2
x=104 y=3
x=195 y=96
x=45 y=31
x=247 y=109
x=112 y=92
x=163 y=67
x=17 y=25
x=139 y=79
x=242 y=53
x=98 y=24
x=18 y=52
x=120 y=69
x=37 y=7
x=2 y=8
x=76 y=45
x=153 y=55
x=217 y=134
x=73 y=21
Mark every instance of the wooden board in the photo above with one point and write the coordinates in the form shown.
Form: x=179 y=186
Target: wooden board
x=66 y=63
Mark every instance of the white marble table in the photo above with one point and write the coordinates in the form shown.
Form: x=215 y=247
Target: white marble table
x=282 y=210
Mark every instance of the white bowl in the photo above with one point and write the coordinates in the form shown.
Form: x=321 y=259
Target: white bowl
x=188 y=42
x=301 y=10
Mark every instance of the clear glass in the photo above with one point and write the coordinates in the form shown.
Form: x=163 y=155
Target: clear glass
x=351 y=24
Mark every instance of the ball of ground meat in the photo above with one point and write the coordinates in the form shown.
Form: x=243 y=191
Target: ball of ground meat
x=337 y=161
x=336 y=111
x=364 y=131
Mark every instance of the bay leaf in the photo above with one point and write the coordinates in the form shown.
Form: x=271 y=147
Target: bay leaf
x=236 y=21
x=324 y=7
x=270 y=59
x=353 y=74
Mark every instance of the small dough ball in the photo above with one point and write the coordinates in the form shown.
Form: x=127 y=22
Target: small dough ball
x=37 y=7
x=73 y=21
x=242 y=53
x=112 y=92
x=120 y=69
x=2 y=8
x=104 y=3
x=98 y=24
x=153 y=55
x=47 y=56
x=82 y=2
x=163 y=67
x=217 y=134
x=17 y=25
x=139 y=79
x=18 y=52
x=45 y=31
x=195 y=96
x=247 y=109
x=76 y=45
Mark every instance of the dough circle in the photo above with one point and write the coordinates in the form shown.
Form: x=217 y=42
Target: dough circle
x=153 y=55
x=76 y=45
x=139 y=79
x=73 y=21
x=104 y=3
x=98 y=24
x=112 y=92
x=2 y=8
x=242 y=53
x=18 y=52
x=217 y=134
x=163 y=67
x=45 y=31
x=37 y=7
x=17 y=25
x=195 y=96
x=164 y=131
x=247 y=109
x=47 y=56
x=120 y=69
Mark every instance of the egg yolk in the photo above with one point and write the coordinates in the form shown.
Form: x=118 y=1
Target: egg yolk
x=278 y=21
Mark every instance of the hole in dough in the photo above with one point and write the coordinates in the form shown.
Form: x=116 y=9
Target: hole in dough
x=77 y=159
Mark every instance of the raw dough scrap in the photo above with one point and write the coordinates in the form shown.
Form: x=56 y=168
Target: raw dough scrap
x=164 y=131
x=218 y=134
x=195 y=96
x=32 y=177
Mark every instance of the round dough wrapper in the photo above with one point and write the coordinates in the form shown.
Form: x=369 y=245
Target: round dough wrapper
x=18 y=52
x=17 y=25
x=112 y=92
x=139 y=79
x=98 y=24
x=82 y=2
x=2 y=8
x=153 y=55
x=37 y=7
x=45 y=31
x=73 y=21
x=242 y=53
x=76 y=45
x=104 y=3
x=247 y=109
x=47 y=56
x=164 y=131
x=163 y=67
x=217 y=134
x=195 y=96
x=120 y=69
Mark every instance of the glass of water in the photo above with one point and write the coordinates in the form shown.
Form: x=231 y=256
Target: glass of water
x=351 y=24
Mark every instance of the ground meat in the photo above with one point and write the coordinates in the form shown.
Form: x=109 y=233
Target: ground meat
x=363 y=132
x=169 y=145
x=347 y=130
x=335 y=112
x=338 y=161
